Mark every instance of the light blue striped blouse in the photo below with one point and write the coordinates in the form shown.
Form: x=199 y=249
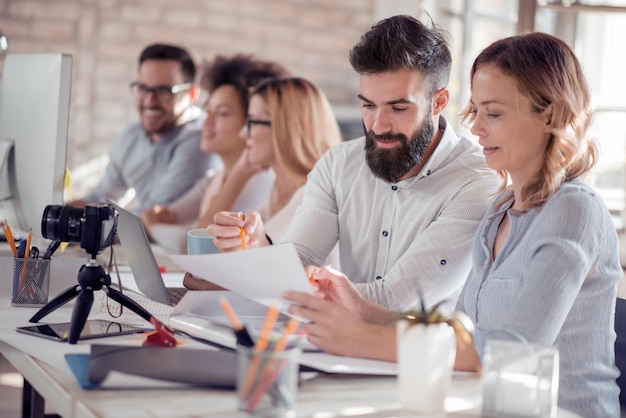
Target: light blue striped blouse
x=554 y=282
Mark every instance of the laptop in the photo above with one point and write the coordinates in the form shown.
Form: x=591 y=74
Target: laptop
x=141 y=259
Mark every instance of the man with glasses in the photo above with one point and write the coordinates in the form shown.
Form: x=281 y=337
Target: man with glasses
x=159 y=156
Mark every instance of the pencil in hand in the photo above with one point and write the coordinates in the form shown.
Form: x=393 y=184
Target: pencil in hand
x=242 y=232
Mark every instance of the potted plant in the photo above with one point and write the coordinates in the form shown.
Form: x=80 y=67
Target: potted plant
x=426 y=349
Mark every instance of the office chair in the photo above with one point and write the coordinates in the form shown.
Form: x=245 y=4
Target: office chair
x=620 y=348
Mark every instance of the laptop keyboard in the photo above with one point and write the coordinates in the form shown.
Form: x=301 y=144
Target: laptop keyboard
x=159 y=310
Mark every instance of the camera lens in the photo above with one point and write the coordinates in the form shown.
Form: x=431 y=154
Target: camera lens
x=61 y=223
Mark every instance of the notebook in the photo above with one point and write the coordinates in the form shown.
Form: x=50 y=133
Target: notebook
x=141 y=259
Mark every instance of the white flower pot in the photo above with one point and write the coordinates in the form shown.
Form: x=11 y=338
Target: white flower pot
x=425 y=361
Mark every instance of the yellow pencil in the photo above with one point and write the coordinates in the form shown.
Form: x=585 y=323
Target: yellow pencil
x=242 y=232
x=9 y=236
x=29 y=239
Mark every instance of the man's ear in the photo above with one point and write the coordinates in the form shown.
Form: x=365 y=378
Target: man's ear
x=194 y=93
x=440 y=100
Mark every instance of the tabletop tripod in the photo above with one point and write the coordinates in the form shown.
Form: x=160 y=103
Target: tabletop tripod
x=91 y=276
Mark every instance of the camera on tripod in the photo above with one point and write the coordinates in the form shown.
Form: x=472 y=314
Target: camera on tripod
x=93 y=227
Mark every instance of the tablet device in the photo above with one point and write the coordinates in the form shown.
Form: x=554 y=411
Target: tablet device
x=94 y=328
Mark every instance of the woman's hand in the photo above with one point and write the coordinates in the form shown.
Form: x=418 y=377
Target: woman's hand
x=158 y=215
x=244 y=168
x=226 y=231
x=336 y=330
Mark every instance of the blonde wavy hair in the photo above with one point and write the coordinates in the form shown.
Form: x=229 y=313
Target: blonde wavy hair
x=303 y=123
x=548 y=73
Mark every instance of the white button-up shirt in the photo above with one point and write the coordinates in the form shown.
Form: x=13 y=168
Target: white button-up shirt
x=396 y=240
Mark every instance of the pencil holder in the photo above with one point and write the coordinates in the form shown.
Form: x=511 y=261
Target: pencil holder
x=31 y=281
x=267 y=381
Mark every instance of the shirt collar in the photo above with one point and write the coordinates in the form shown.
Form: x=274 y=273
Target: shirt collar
x=447 y=144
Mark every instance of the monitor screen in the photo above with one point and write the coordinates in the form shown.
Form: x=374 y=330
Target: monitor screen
x=34 y=117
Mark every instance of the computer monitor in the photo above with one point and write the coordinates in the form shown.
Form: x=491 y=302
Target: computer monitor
x=34 y=116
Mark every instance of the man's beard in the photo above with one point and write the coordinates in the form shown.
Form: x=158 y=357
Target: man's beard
x=393 y=163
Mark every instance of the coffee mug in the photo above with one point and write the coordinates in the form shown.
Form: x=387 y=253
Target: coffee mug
x=200 y=242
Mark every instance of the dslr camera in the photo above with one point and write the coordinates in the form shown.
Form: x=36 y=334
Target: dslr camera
x=93 y=227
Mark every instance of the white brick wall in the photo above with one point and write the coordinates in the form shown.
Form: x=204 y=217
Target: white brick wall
x=310 y=37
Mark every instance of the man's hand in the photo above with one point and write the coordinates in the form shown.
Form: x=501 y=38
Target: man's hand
x=159 y=214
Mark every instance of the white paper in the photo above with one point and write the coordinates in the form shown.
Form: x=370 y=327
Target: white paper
x=261 y=274
x=198 y=314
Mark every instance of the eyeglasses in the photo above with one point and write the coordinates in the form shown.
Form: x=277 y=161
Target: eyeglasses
x=140 y=90
x=250 y=122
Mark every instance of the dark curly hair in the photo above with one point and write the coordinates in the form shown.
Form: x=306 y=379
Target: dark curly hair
x=243 y=72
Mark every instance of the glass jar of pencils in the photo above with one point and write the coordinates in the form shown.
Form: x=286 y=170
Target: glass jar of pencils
x=31 y=281
x=267 y=381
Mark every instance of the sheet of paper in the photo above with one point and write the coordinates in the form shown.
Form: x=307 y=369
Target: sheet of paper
x=198 y=314
x=261 y=274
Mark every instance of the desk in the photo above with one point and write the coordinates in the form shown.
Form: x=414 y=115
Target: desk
x=319 y=396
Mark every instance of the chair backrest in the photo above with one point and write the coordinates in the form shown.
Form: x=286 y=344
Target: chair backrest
x=620 y=348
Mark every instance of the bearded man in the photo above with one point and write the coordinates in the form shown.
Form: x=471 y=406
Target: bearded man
x=403 y=202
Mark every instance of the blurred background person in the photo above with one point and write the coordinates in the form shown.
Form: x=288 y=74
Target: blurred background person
x=290 y=125
x=158 y=157
x=239 y=185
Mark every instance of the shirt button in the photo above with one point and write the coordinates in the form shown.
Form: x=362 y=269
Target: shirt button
x=385 y=233
x=443 y=262
x=378 y=277
x=394 y=187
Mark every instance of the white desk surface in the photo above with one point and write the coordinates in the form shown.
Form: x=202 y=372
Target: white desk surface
x=319 y=396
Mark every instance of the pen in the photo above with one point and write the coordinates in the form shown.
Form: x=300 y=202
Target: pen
x=242 y=232
x=241 y=332
x=9 y=236
x=51 y=249
x=21 y=249
x=21 y=252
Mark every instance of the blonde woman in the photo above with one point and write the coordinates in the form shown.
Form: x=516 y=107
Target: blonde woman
x=290 y=125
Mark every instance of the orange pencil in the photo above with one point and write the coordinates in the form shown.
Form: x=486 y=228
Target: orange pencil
x=241 y=332
x=29 y=239
x=8 y=234
x=242 y=232
x=272 y=370
x=22 y=282
x=261 y=345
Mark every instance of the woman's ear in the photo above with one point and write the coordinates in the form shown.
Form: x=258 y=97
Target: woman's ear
x=547 y=116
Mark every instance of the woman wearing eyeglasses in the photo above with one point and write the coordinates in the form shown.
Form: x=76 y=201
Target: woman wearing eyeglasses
x=239 y=186
x=290 y=125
